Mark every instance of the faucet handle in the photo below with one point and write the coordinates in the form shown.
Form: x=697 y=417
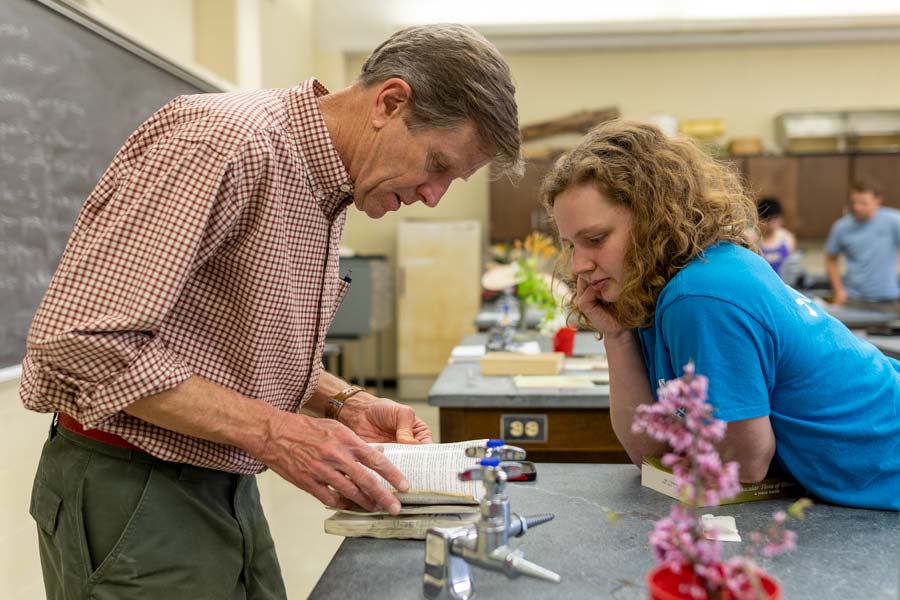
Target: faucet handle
x=488 y=465
x=497 y=448
x=514 y=564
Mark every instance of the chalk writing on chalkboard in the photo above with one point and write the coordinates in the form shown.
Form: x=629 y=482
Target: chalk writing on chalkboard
x=71 y=91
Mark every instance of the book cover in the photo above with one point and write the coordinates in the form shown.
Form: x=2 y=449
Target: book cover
x=657 y=477
x=403 y=526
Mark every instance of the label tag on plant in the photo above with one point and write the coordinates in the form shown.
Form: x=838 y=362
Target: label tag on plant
x=721 y=528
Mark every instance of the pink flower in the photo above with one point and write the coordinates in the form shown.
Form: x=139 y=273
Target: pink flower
x=684 y=420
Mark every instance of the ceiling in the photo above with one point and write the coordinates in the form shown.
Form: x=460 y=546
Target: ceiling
x=351 y=26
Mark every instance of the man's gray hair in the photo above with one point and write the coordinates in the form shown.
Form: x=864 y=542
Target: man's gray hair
x=455 y=75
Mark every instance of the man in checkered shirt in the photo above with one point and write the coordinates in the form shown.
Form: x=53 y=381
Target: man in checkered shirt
x=185 y=324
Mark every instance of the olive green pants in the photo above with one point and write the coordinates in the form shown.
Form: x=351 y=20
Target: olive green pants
x=121 y=524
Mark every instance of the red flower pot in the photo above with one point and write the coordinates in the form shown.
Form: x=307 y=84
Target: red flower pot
x=664 y=584
x=564 y=341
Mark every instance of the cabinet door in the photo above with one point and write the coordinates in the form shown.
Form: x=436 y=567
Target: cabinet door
x=884 y=170
x=822 y=186
x=774 y=176
x=438 y=291
x=516 y=209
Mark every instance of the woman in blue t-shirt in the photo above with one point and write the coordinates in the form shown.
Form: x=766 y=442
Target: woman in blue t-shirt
x=653 y=231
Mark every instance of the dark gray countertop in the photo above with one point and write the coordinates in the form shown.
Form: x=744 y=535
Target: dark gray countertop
x=461 y=385
x=842 y=553
x=888 y=344
x=855 y=317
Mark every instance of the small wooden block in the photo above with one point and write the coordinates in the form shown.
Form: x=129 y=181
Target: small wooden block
x=515 y=363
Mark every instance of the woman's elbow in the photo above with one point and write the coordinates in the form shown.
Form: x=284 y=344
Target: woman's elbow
x=755 y=469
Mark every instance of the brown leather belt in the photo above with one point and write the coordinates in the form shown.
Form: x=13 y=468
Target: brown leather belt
x=95 y=434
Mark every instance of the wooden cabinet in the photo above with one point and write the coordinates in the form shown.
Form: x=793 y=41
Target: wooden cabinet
x=884 y=169
x=774 y=176
x=573 y=435
x=822 y=186
x=812 y=188
x=516 y=208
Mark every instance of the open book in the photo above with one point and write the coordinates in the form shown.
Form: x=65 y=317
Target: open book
x=436 y=496
x=657 y=477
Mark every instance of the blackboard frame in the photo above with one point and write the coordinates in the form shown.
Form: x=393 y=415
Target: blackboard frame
x=95 y=26
x=85 y=19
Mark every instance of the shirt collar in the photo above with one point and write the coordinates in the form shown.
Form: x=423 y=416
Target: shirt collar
x=328 y=178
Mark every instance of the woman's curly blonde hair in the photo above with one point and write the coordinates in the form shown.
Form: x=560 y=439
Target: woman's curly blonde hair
x=681 y=201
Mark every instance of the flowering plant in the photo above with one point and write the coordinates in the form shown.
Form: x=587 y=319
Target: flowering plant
x=683 y=419
x=534 y=258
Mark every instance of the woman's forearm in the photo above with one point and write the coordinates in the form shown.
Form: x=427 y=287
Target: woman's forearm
x=629 y=388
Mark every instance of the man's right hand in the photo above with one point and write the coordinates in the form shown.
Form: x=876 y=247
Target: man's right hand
x=326 y=459
x=839 y=296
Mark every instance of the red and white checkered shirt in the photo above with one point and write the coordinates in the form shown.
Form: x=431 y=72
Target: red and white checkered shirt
x=209 y=247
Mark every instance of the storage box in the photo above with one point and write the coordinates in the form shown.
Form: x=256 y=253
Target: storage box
x=839 y=131
x=745 y=146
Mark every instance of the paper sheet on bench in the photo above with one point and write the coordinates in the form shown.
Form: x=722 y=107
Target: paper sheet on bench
x=555 y=381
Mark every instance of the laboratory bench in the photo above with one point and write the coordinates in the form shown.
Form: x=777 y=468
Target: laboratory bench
x=841 y=552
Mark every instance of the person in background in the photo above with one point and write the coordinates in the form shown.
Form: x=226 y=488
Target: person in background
x=653 y=235
x=775 y=242
x=185 y=325
x=869 y=238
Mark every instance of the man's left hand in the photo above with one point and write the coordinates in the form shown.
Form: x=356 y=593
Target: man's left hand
x=377 y=419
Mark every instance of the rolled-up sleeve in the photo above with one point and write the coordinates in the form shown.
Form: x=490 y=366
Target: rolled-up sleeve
x=94 y=346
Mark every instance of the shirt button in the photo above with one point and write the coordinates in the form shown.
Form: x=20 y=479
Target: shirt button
x=319 y=194
x=345 y=187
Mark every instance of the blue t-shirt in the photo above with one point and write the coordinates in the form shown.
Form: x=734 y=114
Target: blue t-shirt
x=833 y=399
x=871 y=250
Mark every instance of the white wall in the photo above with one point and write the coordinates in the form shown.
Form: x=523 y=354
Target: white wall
x=24 y=433
x=166 y=26
x=744 y=86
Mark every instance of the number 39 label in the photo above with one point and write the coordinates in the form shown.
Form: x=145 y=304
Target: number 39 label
x=524 y=429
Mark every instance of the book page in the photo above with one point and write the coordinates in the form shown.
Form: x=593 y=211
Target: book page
x=432 y=471
x=419 y=509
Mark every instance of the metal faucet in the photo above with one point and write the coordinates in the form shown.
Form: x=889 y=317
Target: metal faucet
x=449 y=551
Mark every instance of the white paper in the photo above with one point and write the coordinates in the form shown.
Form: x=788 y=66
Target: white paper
x=468 y=351
x=721 y=528
x=583 y=363
x=526 y=348
x=552 y=381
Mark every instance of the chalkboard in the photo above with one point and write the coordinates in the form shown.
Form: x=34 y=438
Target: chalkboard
x=71 y=91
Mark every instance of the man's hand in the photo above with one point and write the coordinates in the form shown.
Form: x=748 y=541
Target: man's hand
x=381 y=420
x=326 y=459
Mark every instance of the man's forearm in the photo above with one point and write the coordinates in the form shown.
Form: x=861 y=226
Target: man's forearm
x=329 y=386
x=202 y=409
x=834 y=273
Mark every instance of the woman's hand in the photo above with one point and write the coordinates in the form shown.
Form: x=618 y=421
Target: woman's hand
x=596 y=310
